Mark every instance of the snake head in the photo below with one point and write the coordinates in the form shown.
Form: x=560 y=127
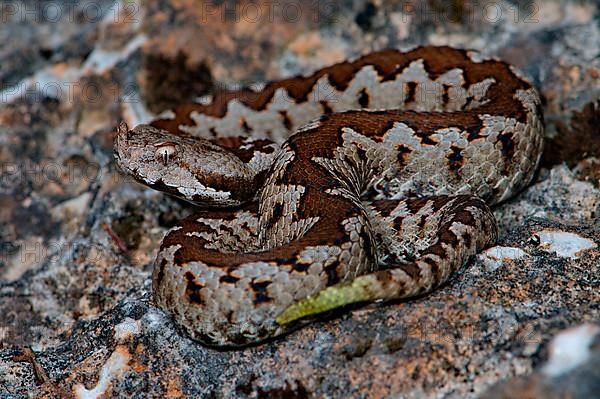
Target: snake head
x=187 y=167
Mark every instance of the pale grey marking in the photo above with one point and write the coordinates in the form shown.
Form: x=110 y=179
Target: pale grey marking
x=206 y=99
x=167 y=114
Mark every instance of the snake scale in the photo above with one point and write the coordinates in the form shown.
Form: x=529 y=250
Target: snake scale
x=368 y=180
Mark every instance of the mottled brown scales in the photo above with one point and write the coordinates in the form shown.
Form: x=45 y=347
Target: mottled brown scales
x=295 y=237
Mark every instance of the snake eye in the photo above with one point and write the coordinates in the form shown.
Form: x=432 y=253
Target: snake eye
x=165 y=151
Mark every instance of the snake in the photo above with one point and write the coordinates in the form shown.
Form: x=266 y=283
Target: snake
x=369 y=180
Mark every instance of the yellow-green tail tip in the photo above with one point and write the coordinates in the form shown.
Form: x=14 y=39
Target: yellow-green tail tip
x=330 y=298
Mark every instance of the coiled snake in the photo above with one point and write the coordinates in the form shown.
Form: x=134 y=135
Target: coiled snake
x=367 y=180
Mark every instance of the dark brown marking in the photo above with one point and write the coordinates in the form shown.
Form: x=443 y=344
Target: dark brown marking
x=445 y=96
x=367 y=243
x=437 y=249
x=260 y=292
x=234 y=144
x=277 y=213
x=363 y=98
x=326 y=108
x=380 y=133
x=468 y=102
x=192 y=289
x=332 y=273
x=467 y=237
x=287 y=122
x=435 y=269
x=465 y=218
x=244 y=125
x=361 y=154
x=411 y=92
x=436 y=201
x=508 y=150
x=230 y=316
x=473 y=135
x=422 y=221
x=385 y=278
x=415 y=204
x=425 y=138
x=412 y=269
x=403 y=154
x=301 y=267
x=161 y=272
x=229 y=279
x=508 y=145
x=385 y=207
x=455 y=159
x=264 y=145
x=398 y=223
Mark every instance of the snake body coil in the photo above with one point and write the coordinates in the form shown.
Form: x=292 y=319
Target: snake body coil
x=367 y=180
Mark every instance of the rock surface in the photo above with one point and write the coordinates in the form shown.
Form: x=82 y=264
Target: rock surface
x=77 y=240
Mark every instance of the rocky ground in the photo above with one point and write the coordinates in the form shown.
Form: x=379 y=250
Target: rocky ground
x=77 y=240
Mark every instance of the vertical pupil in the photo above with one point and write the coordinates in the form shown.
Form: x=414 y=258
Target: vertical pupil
x=164 y=153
